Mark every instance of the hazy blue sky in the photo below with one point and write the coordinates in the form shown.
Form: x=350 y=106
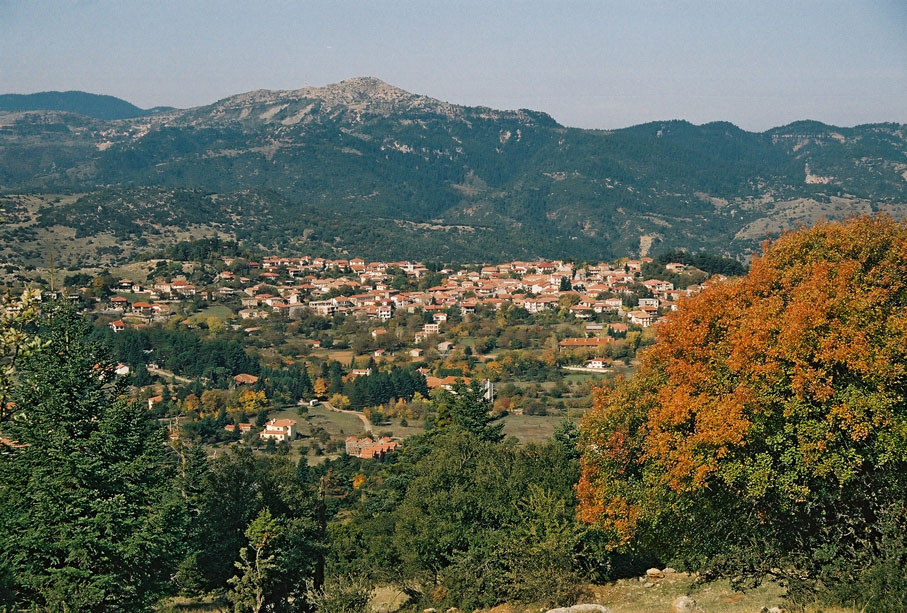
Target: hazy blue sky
x=756 y=63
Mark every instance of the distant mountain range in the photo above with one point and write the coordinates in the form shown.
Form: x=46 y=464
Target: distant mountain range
x=81 y=103
x=368 y=168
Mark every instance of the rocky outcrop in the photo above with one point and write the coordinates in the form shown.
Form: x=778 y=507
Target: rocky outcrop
x=685 y=604
x=582 y=608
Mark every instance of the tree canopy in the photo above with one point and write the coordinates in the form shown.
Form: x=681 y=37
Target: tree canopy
x=766 y=430
x=84 y=487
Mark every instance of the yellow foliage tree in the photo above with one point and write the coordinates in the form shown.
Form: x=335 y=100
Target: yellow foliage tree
x=251 y=401
x=339 y=401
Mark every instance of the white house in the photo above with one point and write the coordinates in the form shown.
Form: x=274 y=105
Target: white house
x=280 y=429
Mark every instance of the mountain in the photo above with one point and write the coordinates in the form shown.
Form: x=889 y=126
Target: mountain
x=365 y=167
x=81 y=103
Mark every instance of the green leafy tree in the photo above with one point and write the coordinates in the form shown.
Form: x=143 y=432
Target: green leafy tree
x=15 y=341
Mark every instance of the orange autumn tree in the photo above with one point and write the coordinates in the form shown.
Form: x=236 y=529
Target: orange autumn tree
x=766 y=430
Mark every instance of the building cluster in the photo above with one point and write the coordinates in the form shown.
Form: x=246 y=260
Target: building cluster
x=534 y=286
x=286 y=286
x=369 y=449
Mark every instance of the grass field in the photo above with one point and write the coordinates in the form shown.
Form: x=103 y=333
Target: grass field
x=582 y=377
x=529 y=428
x=631 y=596
x=344 y=356
x=338 y=426
x=221 y=312
x=133 y=297
x=393 y=426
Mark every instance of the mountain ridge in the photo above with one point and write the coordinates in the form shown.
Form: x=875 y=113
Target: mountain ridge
x=97 y=106
x=364 y=150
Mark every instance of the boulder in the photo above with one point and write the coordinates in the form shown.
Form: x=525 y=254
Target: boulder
x=669 y=571
x=581 y=608
x=654 y=573
x=684 y=604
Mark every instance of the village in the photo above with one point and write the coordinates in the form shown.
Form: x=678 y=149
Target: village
x=539 y=335
x=286 y=286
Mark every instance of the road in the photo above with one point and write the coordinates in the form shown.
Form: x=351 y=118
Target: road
x=365 y=422
x=167 y=373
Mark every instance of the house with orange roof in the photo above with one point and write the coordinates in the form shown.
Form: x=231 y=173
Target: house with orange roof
x=369 y=449
x=584 y=343
x=279 y=430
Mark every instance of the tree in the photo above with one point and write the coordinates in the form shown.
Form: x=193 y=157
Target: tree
x=87 y=488
x=238 y=487
x=321 y=387
x=212 y=400
x=252 y=402
x=488 y=522
x=766 y=430
x=467 y=408
x=340 y=401
x=15 y=341
x=565 y=285
x=256 y=563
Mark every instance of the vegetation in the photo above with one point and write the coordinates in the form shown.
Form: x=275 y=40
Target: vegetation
x=84 y=521
x=98 y=514
x=764 y=433
x=761 y=438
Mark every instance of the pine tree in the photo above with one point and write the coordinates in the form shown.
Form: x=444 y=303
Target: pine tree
x=86 y=491
x=467 y=408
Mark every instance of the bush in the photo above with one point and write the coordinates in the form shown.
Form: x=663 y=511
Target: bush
x=341 y=595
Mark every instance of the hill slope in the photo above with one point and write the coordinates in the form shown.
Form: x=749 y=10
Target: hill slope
x=365 y=154
x=81 y=103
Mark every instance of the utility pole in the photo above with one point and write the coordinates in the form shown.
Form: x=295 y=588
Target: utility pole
x=52 y=270
x=318 y=582
x=324 y=490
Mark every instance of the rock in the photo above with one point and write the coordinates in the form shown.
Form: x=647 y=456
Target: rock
x=648 y=584
x=654 y=573
x=772 y=610
x=669 y=571
x=684 y=604
x=429 y=611
x=581 y=608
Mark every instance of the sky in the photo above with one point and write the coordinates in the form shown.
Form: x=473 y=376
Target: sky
x=605 y=64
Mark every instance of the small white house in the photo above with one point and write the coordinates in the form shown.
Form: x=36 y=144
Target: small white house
x=280 y=429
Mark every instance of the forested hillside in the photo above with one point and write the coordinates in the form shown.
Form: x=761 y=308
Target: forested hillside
x=81 y=103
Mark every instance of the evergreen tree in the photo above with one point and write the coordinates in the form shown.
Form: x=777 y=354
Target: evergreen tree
x=467 y=408
x=84 y=523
